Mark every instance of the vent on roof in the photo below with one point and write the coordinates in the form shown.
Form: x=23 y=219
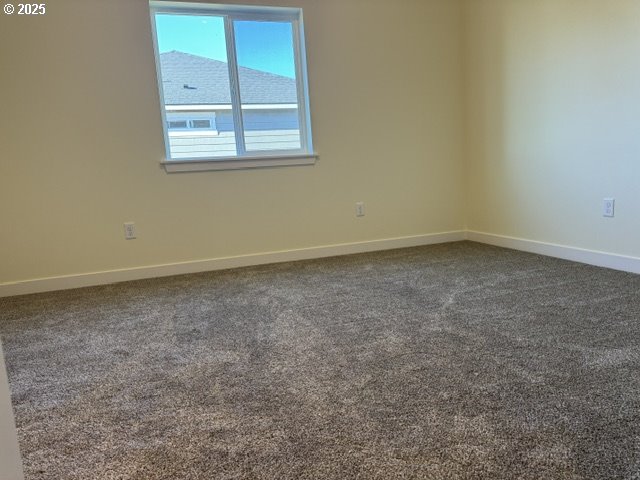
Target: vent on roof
x=188 y=87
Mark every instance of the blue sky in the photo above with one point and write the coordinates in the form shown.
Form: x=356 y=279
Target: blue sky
x=266 y=46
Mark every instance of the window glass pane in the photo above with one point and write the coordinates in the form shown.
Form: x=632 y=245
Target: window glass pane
x=200 y=123
x=268 y=86
x=195 y=76
x=177 y=124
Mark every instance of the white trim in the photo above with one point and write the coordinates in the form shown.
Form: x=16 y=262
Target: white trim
x=246 y=106
x=590 y=257
x=138 y=273
x=234 y=86
x=156 y=55
x=10 y=462
x=238 y=163
x=302 y=84
x=241 y=11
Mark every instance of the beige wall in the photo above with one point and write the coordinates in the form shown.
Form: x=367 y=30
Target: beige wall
x=515 y=117
x=553 y=103
x=81 y=138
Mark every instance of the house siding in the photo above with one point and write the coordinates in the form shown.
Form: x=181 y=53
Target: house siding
x=265 y=130
x=224 y=144
x=260 y=120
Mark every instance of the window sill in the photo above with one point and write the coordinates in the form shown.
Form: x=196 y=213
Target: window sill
x=238 y=163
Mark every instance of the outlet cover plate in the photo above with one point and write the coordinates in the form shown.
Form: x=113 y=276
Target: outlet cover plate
x=608 y=207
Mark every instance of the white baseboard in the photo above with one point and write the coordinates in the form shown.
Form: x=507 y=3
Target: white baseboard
x=590 y=257
x=139 y=273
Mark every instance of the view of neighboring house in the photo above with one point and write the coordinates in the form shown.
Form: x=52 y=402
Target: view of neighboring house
x=198 y=108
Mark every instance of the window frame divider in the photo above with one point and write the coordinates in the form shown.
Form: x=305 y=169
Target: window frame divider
x=234 y=86
x=299 y=52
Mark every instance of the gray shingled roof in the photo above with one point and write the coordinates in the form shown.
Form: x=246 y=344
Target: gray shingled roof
x=192 y=80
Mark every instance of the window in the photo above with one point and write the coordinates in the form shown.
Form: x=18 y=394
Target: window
x=173 y=124
x=200 y=123
x=233 y=86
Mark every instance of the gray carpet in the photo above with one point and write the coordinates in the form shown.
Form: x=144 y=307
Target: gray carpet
x=457 y=361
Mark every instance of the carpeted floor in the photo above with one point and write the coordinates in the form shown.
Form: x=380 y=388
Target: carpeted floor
x=457 y=361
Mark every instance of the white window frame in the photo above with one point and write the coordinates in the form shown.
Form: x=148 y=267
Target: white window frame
x=253 y=159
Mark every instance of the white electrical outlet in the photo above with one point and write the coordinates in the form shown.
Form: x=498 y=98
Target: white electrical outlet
x=608 y=207
x=129 y=231
x=360 y=209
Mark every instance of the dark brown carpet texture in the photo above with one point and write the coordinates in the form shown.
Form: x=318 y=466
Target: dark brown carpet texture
x=458 y=361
